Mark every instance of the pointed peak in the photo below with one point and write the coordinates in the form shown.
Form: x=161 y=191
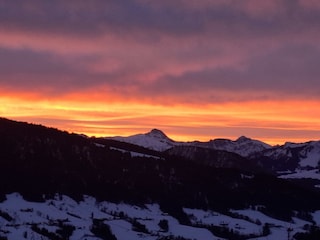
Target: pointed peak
x=157 y=133
x=246 y=140
x=243 y=139
x=155 y=130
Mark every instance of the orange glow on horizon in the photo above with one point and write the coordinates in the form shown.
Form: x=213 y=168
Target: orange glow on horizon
x=270 y=121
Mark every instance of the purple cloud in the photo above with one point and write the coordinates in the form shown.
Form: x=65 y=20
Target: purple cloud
x=221 y=50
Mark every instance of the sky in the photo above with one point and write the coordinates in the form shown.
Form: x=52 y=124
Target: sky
x=194 y=69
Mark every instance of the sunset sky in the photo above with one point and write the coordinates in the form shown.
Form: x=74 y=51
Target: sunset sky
x=196 y=69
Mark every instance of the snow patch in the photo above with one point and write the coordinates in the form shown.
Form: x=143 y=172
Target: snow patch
x=313 y=174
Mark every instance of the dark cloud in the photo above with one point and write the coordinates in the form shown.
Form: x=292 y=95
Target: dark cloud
x=140 y=48
x=54 y=75
x=119 y=17
x=291 y=71
x=41 y=71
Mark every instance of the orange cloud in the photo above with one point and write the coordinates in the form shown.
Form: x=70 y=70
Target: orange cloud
x=274 y=122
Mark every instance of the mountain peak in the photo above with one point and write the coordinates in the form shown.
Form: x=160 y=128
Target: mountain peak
x=155 y=140
x=243 y=139
x=157 y=133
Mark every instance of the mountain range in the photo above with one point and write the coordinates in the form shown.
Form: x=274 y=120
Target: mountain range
x=159 y=141
x=184 y=180
x=291 y=160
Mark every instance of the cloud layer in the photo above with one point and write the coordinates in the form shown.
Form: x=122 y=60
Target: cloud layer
x=161 y=52
x=154 y=48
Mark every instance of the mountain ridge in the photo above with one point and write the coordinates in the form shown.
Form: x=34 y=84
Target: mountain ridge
x=156 y=139
x=286 y=159
x=291 y=160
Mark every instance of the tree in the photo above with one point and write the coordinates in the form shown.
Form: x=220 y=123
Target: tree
x=102 y=230
x=266 y=229
x=163 y=224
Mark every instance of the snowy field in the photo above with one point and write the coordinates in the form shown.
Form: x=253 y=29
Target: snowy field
x=21 y=219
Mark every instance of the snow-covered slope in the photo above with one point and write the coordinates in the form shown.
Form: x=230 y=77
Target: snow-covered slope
x=243 y=146
x=294 y=160
x=310 y=155
x=304 y=155
x=64 y=218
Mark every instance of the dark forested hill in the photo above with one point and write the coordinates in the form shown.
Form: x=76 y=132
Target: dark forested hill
x=38 y=162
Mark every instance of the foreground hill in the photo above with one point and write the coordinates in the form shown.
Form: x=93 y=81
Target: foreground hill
x=63 y=218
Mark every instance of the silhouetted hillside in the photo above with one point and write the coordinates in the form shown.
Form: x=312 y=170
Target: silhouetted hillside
x=36 y=161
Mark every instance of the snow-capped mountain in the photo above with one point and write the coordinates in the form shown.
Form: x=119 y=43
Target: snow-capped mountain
x=154 y=140
x=292 y=160
x=159 y=141
x=293 y=156
x=243 y=146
